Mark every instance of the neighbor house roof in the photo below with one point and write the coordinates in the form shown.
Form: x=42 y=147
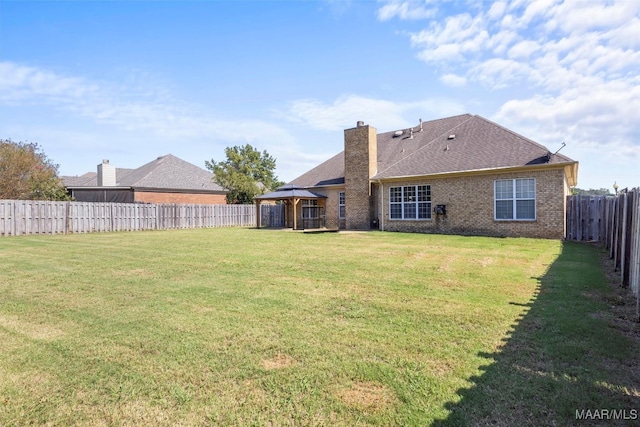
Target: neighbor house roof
x=455 y=144
x=165 y=172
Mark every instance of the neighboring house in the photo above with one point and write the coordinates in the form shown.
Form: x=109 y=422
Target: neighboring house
x=457 y=175
x=167 y=179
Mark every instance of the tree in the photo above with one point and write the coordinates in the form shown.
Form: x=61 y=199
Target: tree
x=592 y=192
x=245 y=174
x=26 y=173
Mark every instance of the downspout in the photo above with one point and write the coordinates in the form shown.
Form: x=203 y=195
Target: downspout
x=381 y=205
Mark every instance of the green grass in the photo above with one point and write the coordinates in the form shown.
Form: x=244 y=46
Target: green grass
x=259 y=327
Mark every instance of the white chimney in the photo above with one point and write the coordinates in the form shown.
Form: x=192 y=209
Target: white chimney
x=106 y=174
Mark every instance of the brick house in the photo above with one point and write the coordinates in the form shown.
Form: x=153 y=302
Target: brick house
x=457 y=175
x=166 y=179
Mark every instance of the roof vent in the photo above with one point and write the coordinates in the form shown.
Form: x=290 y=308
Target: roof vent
x=398 y=133
x=420 y=126
x=360 y=123
x=452 y=136
x=411 y=136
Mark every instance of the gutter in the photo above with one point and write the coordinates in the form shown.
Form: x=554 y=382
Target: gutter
x=486 y=171
x=178 y=190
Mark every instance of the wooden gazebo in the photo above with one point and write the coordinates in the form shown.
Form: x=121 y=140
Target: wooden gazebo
x=303 y=208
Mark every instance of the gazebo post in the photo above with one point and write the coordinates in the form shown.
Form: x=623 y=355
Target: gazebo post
x=295 y=213
x=287 y=214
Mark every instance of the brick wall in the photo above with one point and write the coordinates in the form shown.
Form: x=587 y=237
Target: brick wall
x=185 y=198
x=360 y=163
x=469 y=203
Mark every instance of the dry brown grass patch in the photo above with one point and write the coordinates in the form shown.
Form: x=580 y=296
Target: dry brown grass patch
x=141 y=273
x=31 y=330
x=279 y=361
x=367 y=395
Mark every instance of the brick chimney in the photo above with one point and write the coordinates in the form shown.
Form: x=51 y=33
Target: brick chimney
x=360 y=164
x=106 y=174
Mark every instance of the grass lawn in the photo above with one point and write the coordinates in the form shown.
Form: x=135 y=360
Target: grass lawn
x=260 y=327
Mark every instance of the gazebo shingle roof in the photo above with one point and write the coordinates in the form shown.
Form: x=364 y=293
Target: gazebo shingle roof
x=290 y=191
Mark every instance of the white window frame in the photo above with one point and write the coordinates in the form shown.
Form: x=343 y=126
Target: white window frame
x=342 y=207
x=514 y=198
x=408 y=203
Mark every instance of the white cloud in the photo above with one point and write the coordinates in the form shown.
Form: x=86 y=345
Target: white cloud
x=405 y=10
x=130 y=108
x=569 y=69
x=465 y=31
x=595 y=117
x=453 y=80
x=575 y=38
x=497 y=10
x=132 y=123
x=523 y=49
x=345 y=111
x=457 y=41
x=499 y=73
x=582 y=17
x=537 y=9
x=20 y=83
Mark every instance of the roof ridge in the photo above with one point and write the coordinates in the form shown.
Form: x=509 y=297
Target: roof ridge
x=471 y=116
x=153 y=169
x=429 y=121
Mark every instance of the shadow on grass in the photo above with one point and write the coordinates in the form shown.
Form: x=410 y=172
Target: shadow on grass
x=565 y=363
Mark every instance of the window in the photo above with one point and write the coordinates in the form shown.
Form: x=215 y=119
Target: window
x=410 y=202
x=515 y=199
x=341 y=205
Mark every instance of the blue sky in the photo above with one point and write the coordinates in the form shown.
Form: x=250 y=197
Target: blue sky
x=130 y=81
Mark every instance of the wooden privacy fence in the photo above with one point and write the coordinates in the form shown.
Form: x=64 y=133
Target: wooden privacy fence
x=25 y=217
x=615 y=222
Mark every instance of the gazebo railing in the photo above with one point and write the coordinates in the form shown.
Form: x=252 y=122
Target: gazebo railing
x=313 y=217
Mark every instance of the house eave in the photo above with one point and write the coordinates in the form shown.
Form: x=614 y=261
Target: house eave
x=177 y=190
x=146 y=189
x=329 y=186
x=97 y=187
x=571 y=169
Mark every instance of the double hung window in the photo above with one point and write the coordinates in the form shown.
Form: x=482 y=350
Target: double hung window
x=515 y=199
x=410 y=202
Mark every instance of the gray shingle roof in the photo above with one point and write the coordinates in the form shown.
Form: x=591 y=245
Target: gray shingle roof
x=290 y=191
x=166 y=172
x=330 y=172
x=479 y=144
x=80 y=181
